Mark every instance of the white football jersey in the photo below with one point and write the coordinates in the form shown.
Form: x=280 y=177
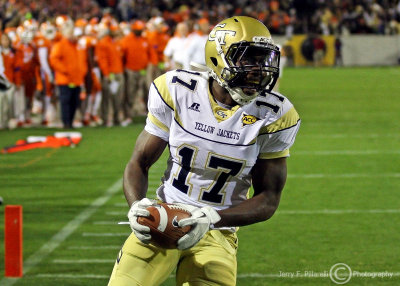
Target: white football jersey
x=213 y=149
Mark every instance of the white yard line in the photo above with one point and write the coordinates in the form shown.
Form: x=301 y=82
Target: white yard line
x=105 y=234
x=73 y=276
x=97 y=247
x=290 y=212
x=341 y=135
x=239 y=276
x=105 y=222
x=344 y=176
x=345 y=152
x=83 y=261
x=121 y=205
x=65 y=232
x=114 y=213
x=334 y=212
x=117 y=213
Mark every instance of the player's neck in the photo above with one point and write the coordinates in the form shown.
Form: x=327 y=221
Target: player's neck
x=220 y=94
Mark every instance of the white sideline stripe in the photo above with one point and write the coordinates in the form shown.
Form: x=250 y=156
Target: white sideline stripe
x=354 y=175
x=96 y=234
x=377 y=211
x=95 y=247
x=83 y=261
x=346 y=152
x=65 y=232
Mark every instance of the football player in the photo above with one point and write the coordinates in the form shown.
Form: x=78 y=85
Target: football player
x=226 y=130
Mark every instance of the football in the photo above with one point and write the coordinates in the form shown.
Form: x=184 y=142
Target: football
x=163 y=223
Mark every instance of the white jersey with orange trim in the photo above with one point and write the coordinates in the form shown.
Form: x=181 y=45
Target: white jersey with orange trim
x=212 y=148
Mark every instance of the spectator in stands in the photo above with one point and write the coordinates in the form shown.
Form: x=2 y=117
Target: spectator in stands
x=70 y=70
x=319 y=50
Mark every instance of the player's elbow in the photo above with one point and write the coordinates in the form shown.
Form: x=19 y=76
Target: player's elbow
x=267 y=212
x=269 y=207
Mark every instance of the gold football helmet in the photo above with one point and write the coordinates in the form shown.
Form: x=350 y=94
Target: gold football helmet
x=242 y=57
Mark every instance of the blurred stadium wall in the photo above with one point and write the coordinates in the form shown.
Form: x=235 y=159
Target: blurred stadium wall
x=356 y=50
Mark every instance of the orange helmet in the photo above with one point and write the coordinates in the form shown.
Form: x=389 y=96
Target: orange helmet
x=138 y=25
x=61 y=20
x=31 y=25
x=25 y=34
x=81 y=23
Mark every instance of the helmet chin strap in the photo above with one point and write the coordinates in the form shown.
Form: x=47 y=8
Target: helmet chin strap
x=237 y=93
x=240 y=97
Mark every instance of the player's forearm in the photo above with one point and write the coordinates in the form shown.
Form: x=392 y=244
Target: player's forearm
x=135 y=182
x=148 y=149
x=258 y=208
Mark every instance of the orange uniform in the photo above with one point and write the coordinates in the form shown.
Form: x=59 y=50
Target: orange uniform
x=158 y=41
x=67 y=63
x=9 y=64
x=109 y=57
x=138 y=54
x=26 y=63
x=44 y=74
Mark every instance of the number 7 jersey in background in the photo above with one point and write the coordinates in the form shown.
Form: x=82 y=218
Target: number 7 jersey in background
x=212 y=148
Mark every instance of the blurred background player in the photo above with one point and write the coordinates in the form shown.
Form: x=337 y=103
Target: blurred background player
x=94 y=92
x=7 y=67
x=158 y=37
x=109 y=57
x=138 y=56
x=195 y=50
x=45 y=77
x=175 y=51
x=25 y=77
x=70 y=68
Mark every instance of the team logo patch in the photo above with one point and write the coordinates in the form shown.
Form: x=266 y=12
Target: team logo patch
x=221 y=113
x=248 y=119
x=195 y=106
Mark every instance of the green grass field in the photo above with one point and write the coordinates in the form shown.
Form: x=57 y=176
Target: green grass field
x=341 y=203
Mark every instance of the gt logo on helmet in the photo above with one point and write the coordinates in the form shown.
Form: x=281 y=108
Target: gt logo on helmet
x=220 y=35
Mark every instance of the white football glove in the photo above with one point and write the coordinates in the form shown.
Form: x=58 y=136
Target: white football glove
x=201 y=221
x=137 y=209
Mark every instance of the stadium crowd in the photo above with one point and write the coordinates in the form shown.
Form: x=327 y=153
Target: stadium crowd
x=118 y=50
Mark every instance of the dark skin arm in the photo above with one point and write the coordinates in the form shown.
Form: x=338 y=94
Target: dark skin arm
x=269 y=177
x=148 y=150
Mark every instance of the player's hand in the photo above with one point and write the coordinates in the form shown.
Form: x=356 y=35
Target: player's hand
x=137 y=209
x=201 y=220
